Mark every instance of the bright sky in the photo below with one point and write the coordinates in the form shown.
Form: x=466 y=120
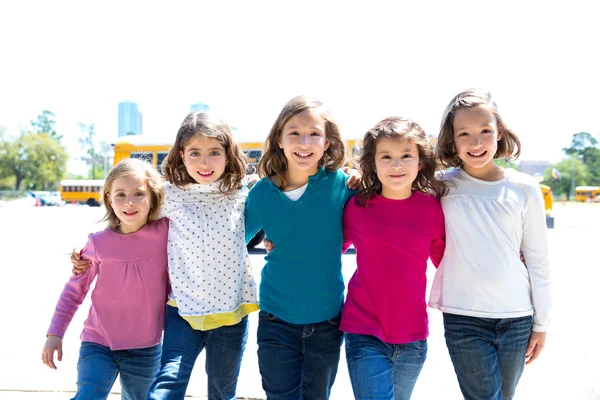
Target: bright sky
x=365 y=60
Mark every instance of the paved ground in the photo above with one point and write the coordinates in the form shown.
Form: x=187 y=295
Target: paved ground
x=36 y=242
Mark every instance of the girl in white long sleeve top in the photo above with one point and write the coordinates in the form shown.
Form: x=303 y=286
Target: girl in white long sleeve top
x=496 y=309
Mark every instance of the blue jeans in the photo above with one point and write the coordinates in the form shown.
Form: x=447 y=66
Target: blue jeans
x=380 y=370
x=182 y=345
x=298 y=361
x=488 y=354
x=98 y=367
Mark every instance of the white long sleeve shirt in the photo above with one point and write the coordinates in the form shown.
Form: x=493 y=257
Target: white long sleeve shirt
x=487 y=224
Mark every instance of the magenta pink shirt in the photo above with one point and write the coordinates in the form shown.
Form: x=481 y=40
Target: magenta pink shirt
x=129 y=299
x=393 y=241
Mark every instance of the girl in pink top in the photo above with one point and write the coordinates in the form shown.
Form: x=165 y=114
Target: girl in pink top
x=122 y=333
x=396 y=224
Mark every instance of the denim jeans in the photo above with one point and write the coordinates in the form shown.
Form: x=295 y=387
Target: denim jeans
x=383 y=371
x=182 y=345
x=98 y=367
x=488 y=354
x=298 y=361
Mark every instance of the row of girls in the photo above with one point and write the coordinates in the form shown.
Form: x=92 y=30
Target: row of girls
x=183 y=242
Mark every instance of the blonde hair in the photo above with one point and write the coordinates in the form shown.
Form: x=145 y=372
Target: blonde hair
x=509 y=145
x=206 y=125
x=142 y=169
x=398 y=128
x=274 y=163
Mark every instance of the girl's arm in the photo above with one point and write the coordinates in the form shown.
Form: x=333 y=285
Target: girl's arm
x=346 y=224
x=253 y=223
x=70 y=299
x=535 y=251
x=438 y=244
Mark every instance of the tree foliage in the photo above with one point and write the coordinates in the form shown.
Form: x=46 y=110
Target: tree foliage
x=573 y=172
x=44 y=123
x=88 y=142
x=34 y=158
x=585 y=147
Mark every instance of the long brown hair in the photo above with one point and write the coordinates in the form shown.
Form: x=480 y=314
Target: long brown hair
x=205 y=125
x=509 y=146
x=273 y=163
x=135 y=167
x=398 y=128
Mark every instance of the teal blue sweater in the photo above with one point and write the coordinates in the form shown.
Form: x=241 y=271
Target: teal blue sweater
x=302 y=281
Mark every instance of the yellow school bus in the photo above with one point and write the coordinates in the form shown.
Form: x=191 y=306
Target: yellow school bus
x=587 y=193
x=81 y=191
x=155 y=152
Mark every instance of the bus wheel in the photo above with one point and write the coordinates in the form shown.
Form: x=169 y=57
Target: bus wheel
x=92 y=203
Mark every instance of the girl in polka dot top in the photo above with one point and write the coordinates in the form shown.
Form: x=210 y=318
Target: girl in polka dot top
x=213 y=289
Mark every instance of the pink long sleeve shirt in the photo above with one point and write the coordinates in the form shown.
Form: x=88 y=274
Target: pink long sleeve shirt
x=393 y=241
x=128 y=301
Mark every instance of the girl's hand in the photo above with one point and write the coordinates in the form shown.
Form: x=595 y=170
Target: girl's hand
x=537 y=341
x=268 y=245
x=79 y=265
x=353 y=181
x=53 y=343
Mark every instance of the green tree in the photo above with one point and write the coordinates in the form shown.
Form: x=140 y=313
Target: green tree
x=573 y=172
x=44 y=123
x=92 y=157
x=36 y=159
x=506 y=164
x=585 y=146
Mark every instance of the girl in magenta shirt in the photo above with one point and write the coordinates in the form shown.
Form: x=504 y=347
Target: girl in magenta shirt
x=122 y=333
x=396 y=224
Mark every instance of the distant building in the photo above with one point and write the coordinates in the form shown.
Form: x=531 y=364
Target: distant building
x=130 y=119
x=533 y=167
x=199 y=107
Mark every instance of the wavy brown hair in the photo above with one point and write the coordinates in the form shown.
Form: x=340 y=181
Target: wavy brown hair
x=398 y=128
x=509 y=146
x=206 y=125
x=133 y=167
x=274 y=163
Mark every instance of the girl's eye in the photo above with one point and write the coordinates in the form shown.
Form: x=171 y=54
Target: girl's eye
x=120 y=194
x=385 y=157
x=462 y=134
x=407 y=156
x=315 y=134
x=293 y=133
x=140 y=194
x=194 y=154
x=215 y=153
x=487 y=131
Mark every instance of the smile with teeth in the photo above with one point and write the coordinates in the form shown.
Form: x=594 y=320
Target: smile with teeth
x=130 y=213
x=205 y=174
x=477 y=154
x=303 y=154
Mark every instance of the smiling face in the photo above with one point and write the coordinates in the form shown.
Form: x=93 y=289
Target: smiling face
x=205 y=159
x=131 y=202
x=304 y=141
x=476 y=139
x=397 y=166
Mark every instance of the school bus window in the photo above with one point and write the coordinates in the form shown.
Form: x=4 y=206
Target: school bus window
x=160 y=157
x=143 y=156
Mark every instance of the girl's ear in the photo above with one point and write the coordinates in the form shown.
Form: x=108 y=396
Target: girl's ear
x=327 y=143
x=182 y=157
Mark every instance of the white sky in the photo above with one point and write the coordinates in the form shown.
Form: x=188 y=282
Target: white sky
x=365 y=60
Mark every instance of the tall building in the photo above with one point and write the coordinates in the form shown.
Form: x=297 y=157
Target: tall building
x=130 y=119
x=199 y=107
